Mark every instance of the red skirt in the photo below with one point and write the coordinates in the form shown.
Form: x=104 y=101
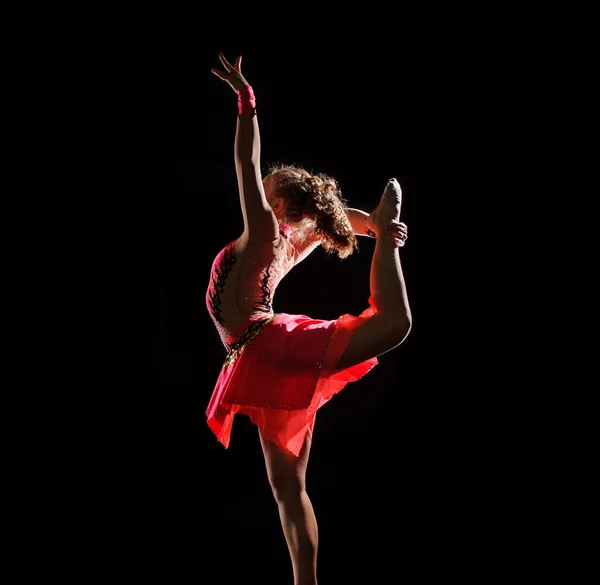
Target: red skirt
x=280 y=371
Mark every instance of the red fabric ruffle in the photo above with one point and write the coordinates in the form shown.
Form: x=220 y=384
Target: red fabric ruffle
x=284 y=376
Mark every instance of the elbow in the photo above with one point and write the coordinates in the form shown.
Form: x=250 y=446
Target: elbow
x=249 y=163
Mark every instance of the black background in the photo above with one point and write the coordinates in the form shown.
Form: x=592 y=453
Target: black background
x=349 y=112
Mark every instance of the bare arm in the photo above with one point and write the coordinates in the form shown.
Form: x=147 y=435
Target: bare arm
x=260 y=223
x=358 y=221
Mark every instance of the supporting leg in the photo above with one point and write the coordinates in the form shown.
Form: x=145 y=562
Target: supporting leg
x=287 y=476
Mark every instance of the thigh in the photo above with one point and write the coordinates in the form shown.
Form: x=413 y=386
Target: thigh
x=371 y=339
x=284 y=469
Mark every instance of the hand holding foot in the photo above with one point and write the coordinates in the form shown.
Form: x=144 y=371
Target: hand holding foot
x=388 y=210
x=399 y=231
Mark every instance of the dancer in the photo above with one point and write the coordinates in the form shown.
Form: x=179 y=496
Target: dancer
x=280 y=368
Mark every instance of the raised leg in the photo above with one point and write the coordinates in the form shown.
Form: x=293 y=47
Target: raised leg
x=392 y=321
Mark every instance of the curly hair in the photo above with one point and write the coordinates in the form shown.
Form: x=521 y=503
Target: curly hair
x=315 y=206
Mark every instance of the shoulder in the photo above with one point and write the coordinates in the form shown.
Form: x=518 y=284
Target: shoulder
x=244 y=243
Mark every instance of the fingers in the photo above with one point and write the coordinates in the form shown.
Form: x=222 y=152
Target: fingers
x=228 y=67
x=226 y=63
x=220 y=74
x=399 y=232
x=397 y=228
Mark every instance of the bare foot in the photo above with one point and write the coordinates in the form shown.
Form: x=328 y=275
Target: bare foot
x=388 y=209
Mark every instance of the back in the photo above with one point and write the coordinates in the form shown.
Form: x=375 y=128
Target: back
x=244 y=278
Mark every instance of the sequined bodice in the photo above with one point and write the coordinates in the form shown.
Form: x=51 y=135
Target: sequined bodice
x=242 y=285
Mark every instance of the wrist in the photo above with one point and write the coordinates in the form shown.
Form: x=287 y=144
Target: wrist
x=246 y=101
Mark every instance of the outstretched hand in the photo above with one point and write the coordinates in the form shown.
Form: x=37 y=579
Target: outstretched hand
x=232 y=74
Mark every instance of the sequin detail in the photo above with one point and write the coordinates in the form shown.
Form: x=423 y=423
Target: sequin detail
x=266 y=303
x=243 y=280
x=218 y=282
x=246 y=338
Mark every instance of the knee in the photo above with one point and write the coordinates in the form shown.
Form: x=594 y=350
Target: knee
x=286 y=488
x=399 y=328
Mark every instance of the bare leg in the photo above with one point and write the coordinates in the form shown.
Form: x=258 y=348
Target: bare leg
x=392 y=320
x=287 y=476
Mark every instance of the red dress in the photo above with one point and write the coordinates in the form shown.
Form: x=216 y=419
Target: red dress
x=279 y=368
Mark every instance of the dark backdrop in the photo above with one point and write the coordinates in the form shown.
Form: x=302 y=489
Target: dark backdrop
x=350 y=114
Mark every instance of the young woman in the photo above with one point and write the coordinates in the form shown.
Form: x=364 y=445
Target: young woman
x=281 y=368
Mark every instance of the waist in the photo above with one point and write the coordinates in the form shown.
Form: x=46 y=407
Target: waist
x=236 y=344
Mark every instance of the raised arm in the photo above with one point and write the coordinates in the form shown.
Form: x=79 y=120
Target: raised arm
x=359 y=220
x=260 y=223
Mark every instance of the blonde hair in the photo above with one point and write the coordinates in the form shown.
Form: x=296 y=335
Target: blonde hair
x=315 y=205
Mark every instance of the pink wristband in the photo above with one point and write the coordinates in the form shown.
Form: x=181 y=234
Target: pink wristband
x=246 y=101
